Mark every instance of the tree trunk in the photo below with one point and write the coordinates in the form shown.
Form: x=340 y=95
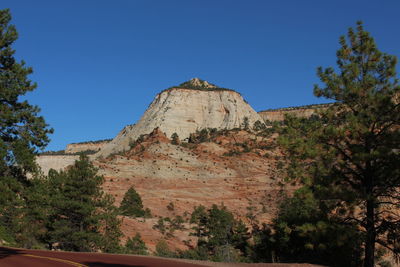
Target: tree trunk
x=371 y=234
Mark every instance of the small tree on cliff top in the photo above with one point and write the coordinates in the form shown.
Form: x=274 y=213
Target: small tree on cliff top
x=350 y=156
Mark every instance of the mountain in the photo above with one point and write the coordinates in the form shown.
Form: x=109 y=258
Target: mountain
x=184 y=109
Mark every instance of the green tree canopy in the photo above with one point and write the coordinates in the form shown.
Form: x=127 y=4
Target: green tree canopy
x=304 y=232
x=136 y=245
x=131 y=204
x=349 y=156
x=219 y=232
x=82 y=218
x=22 y=131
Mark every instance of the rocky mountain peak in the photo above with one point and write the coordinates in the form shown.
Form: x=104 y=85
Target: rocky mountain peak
x=198 y=84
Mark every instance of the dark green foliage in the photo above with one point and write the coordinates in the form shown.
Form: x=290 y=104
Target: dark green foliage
x=160 y=225
x=6 y=236
x=136 y=245
x=303 y=232
x=177 y=223
x=22 y=131
x=219 y=226
x=80 y=210
x=36 y=211
x=259 y=126
x=198 y=253
x=245 y=124
x=175 y=139
x=110 y=226
x=201 y=87
x=131 y=204
x=94 y=142
x=168 y=226
x=348 y=154
x=200 y=219
x=204 y=135
x=231 y=153
x=224 y=237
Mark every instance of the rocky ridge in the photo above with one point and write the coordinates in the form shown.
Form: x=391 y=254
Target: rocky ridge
x=301 y=111
x=85 y=146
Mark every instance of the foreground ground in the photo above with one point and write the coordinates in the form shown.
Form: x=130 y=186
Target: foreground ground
x=14 y=257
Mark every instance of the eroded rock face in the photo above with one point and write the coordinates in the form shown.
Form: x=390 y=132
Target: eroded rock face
x=56 y=162
x=184 y=111
x=82 y=147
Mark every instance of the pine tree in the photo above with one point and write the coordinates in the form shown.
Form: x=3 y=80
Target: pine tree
x=304 y=232
x=22 y=131
x=35 y=213
x=219 y=232
x=349 y=155
x=131 y=204
x=82 y=218
x=110 y=226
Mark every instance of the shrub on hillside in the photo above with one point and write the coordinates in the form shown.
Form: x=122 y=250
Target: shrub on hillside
x=131 y=204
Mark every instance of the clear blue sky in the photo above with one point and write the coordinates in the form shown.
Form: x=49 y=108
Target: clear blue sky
x=99 y=63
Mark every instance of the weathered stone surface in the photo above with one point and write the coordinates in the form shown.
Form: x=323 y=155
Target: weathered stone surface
x=184 y=111
x=87 y=146
x=56 y=162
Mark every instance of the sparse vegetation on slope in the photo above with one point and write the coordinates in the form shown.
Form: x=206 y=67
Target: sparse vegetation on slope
x=198 y=84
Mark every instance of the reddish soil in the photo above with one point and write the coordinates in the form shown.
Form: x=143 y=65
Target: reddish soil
x=239 y=170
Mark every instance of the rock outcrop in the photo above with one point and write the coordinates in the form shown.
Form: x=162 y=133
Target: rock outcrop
x=301 y=111
x=185 y=109
x=56 y=162
x=85 y=146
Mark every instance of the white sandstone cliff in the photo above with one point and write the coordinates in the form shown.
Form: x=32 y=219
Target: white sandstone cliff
x=184 y=111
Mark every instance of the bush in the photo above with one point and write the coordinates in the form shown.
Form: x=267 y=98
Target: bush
x=5 y=236
x=136 y=245
x=163 y=250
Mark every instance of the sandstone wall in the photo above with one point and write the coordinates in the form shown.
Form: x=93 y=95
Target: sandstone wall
x=56 y=162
